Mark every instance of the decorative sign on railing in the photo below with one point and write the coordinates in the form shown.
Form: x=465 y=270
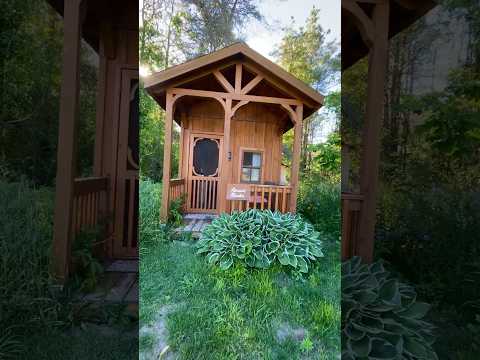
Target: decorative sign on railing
x=238 y=192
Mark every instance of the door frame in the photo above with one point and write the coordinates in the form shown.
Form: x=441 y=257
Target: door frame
x=190 y=177
x=119 y=251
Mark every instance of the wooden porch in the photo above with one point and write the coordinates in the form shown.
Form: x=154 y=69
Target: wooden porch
x=262 y=197
x=117 y=285
x=105 y=202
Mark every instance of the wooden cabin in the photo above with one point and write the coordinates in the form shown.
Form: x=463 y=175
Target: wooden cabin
x=233 y=107
x=108 y=200
x=367 y=26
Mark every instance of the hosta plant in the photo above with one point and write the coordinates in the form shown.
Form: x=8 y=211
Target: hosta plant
x=381 y=318
x=259 y=239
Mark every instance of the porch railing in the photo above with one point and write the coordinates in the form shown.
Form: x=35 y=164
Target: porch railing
x=177 y=189
x=264 y=197
x=90 y=197
x=351 y=207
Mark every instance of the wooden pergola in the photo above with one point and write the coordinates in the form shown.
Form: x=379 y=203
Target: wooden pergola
x=298 y=101
x=367 y=26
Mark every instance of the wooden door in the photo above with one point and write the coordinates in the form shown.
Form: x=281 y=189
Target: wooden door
x=125 y=241
x=204 y=169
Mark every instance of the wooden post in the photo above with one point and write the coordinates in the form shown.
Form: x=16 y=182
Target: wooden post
x=167 y=152
x=67 y=138
x=226 y=162
x=371 y=135
x=297 y=146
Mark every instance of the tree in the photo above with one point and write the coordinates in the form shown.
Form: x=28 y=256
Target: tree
x=30 y=63
x=306 y=53
x=213 y=24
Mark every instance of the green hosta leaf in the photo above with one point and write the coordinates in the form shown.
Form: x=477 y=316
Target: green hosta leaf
x=212 y=258
x=354 y=333
x=272 y=247
x=415 y=348
x=284 y=259
x=415 y=311
x=382 y=349
x=292 y=260
x=361 y=347
x=226 y=263
x=389 y=292
x=302 y=264
x=377 y=307
x=259 y=238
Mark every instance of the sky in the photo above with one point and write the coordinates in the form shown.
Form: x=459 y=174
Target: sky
x=281 y=13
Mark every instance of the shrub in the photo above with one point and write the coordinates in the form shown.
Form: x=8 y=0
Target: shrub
x=319 y=203
x=175 y=214
x=259 y=238
x=150 y=228
x=381 y=318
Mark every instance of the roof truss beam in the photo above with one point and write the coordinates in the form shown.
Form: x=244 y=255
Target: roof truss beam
x=254 y=82
x=233 y=96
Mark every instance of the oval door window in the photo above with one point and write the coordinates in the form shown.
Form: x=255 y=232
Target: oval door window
x=205 y=157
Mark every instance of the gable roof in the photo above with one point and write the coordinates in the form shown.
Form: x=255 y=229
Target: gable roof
x=157 y=83
x=101 y=11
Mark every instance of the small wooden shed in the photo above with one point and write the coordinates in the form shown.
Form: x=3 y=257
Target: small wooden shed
x=233 y=107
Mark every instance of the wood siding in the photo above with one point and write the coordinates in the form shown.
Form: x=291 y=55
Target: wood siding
x=254 y=126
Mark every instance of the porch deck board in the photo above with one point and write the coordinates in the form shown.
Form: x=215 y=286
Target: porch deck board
x=195 y=223
x=118 y=284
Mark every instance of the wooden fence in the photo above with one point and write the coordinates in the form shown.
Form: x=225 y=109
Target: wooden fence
x=264 y=197
x=90 y=197
x=203 y=195
x=351 y=207
x=177 y=189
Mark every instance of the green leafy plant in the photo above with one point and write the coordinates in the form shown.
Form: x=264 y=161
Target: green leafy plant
x=87 y=266
x=259 y=238
x=381 y=318
x=175 y=214
x=10 y=347
x=306 y=345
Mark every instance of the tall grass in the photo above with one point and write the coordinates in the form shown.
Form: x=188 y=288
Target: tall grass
x=35 y=320
x=25 y=243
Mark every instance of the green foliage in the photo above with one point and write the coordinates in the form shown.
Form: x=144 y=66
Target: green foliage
x=175 y=214
x=319 y=203
x=87 y=266
x=10 y=346
x=451 y=126
x=31 y=39
x=381 y=318
x=29 y=300
x=305 y=53
x=326 y=157
x=151 y=229
x=259 y=238
x=25 y=242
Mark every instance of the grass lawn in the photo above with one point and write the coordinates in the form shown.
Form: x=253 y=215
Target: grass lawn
x=202 y=312
x=106 y=343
